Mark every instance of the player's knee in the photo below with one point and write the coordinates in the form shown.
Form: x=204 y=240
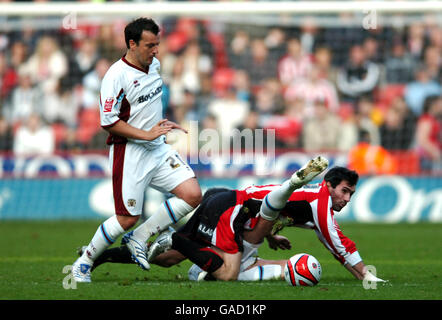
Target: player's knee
x=127 y=222
x=194 y=197
x=166 y=260
x=227 y=276
x=226 y=273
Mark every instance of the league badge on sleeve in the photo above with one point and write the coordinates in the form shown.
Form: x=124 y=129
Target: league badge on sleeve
x=108 y=105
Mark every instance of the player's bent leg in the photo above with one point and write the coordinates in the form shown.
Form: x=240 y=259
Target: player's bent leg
x=189 y=191
x=207 y=258
x=263 y=270
x=309 y=171
x=188 y=197
x=127 y=222
x=168 y=259
x=260 y=273
x=122 y=255
x=277 y=199
x=229 y=270
x=113 y=255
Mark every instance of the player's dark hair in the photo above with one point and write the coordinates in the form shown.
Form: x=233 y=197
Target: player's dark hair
x=135 y=28
x=337 y=174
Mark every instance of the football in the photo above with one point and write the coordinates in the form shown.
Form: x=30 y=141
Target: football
x=302 y=270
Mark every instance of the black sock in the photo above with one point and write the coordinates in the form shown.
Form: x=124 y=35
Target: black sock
x=201 y=255
x=114 y=255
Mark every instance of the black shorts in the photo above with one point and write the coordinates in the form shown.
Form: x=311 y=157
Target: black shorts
x=218 y=221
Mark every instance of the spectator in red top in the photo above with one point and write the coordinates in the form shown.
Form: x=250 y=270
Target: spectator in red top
x=8 y=78
x=429 y=135
x=288 y=124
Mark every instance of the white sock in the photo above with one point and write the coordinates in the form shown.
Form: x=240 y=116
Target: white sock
x=105 y=235
x=266 y=272
x=169 y=213
x=276 y=200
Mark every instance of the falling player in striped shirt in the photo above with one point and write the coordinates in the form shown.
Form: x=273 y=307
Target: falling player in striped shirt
x=312 y=206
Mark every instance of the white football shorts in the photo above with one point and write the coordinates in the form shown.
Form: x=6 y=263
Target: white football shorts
x=135 y=168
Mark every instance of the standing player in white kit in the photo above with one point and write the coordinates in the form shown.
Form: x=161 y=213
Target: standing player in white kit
x=131 y=111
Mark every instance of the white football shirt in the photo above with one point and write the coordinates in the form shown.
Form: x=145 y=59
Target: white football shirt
x=133 y=95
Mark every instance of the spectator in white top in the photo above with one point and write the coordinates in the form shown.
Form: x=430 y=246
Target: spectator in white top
x=34 y=138
x=24 y=99
x=47 y=65
x=229 y=111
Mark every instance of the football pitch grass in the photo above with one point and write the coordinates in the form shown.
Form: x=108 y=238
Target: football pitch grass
x=34 y=254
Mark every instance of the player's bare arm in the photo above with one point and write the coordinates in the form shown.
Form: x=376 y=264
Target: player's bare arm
x=358 y=270
x=122 y=128
x=262 y=229
x=361 y=272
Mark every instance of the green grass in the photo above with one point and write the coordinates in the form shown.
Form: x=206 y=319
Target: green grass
x=33 y=254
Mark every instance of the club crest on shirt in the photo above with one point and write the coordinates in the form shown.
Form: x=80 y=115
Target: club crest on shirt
x=108 y=105
x=136 y=83
x=131 y=202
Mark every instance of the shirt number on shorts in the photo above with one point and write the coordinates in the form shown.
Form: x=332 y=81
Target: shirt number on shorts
x=173 y=161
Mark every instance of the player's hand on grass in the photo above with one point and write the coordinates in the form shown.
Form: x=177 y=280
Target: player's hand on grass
x=372 y=278
x=278 y=241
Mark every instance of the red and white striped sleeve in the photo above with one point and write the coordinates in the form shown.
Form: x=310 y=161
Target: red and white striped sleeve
x=258 y=192
x=328 y=231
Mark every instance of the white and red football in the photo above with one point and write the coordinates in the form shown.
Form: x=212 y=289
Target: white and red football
x=302 y=270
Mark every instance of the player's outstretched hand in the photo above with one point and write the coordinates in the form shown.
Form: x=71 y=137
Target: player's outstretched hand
x=159 y=129
x=175 y=125
x=279 y=242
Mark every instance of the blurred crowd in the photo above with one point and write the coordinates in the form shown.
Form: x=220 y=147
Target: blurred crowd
x=370 y=92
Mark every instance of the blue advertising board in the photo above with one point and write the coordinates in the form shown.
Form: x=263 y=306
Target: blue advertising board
x=386 y=199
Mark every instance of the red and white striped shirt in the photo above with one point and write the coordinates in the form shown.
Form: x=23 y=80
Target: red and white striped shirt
x=312 y=91
x=311 y=207
x=290 y=69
